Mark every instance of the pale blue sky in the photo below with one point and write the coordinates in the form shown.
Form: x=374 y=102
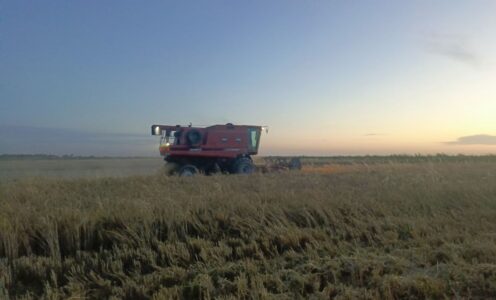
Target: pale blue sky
x=328 y=77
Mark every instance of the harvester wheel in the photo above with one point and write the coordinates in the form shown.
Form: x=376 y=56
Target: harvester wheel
x=187 y=171
x=244 y=165
x=170 y=168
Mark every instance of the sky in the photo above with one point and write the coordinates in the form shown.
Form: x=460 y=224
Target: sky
x=327 y=77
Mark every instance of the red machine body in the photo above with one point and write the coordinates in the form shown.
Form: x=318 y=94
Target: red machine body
x=206 y=149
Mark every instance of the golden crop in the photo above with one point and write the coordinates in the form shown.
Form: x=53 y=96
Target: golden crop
x=369 y=231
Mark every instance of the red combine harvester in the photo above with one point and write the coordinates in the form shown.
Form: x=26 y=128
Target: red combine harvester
x=218 y=148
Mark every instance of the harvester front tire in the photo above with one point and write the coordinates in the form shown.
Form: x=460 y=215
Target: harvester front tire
x=244 y=165
x=170 y=168
x=187 y=171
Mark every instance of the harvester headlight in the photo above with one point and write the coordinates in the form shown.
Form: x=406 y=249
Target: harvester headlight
x=157 y=130
x=167 y=144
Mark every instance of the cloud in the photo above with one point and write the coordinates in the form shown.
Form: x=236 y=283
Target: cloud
x=452 y=46
x=478 y=139
x=373 y=134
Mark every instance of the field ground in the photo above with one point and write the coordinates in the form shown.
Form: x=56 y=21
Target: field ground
x=369 y=228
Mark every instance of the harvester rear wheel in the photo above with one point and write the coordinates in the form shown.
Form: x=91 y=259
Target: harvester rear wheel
x=187 y=171
x=244 y=165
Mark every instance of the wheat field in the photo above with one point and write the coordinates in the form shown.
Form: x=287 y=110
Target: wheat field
x=421 y=229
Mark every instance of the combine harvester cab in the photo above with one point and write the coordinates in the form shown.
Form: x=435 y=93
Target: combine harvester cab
x=218 y=148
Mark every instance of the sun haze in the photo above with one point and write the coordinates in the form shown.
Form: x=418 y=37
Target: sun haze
x=327 y=77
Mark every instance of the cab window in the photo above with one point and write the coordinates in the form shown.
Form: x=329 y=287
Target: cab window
x=253 y=138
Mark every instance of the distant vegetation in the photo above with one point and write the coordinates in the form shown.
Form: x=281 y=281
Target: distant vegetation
x=70 y=167
x=368 y=231
x=382 y=159
x=54 y=157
